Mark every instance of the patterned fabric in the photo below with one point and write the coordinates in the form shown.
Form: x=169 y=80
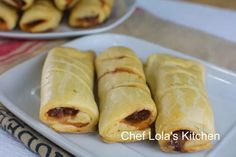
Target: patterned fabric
x=30 y=138
x=13 y=52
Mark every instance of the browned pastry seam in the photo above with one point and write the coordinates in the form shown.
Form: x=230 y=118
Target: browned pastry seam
x=118 y=70
x=114 y=58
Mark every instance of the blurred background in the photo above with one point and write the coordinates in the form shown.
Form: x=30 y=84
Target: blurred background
x=202 y=28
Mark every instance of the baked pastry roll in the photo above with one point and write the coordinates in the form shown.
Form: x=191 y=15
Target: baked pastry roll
x=41 y=17
x=125 y=100
x=183 y=109
x=88 y=13
x=20 y=4
x=67 y=100
x=65 y=4
x=8 y=17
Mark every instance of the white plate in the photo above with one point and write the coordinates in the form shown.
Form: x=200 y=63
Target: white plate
x=121 y=11
x=20 y=93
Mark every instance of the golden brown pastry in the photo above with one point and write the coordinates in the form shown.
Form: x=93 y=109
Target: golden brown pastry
x=65 y=4
x=8 y=17
x=183 y=109
x=88 y=13
x=67 y=100
x=41 y=17
x=20 y=4
x=125 y=102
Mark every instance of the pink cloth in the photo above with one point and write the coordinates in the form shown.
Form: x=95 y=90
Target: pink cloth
x=10 y=50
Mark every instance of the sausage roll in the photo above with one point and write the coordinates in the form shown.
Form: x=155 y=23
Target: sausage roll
x=8 y=17
x=125 y=100
x=183 y=109
x=65 y=4
x=41 y=17
x=67 y=100
x=20 y=4
x=88 y=13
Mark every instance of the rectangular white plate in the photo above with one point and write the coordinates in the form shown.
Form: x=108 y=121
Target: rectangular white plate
x=19 y=92
x=121 y=11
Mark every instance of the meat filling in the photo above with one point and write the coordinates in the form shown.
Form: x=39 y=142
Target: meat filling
x=3 y=24
x=179 y=140
x=139 y=116
x=19 y=3
x=2 y=20
x=61 y=112
x=138 y=119
x=88 y=21
x=34 y=23
x=68 y=3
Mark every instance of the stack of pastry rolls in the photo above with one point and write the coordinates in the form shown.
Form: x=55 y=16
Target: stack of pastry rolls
x=8 y=17
x=46 y=15
x=19 y=4
x=41 y=17
x=184 y=111
x=125 y=101
x=88 y=13
x=67 y=100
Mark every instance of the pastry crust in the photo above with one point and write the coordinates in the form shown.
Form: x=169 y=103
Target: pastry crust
x=67 y=100
x=8 y=17
x=177 y=87
x=20 y=4
x=41 y=17
x=124 y=99
x=65 y=4
x=88 y=13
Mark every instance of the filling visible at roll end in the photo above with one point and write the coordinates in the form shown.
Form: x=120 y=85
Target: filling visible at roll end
x=178 y=139
x=138 y=119
x=3 y=24
x=61 y=112
x=64 y=115
x=31 y=25
x=186 y=141
x=88 y=21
